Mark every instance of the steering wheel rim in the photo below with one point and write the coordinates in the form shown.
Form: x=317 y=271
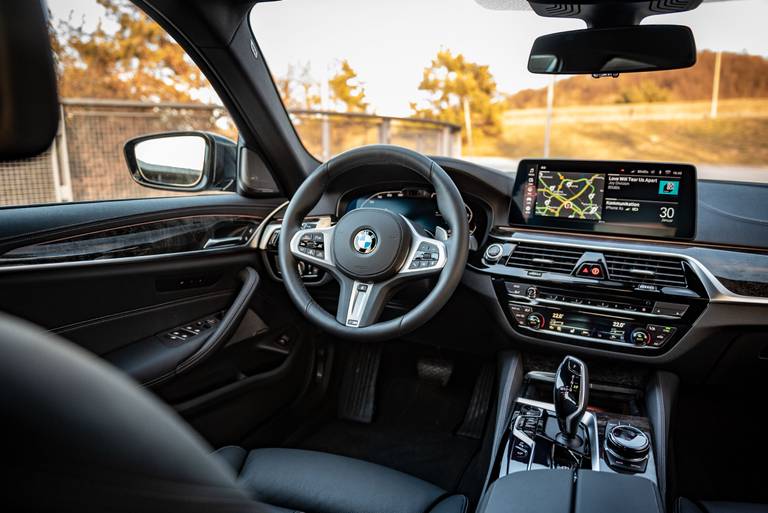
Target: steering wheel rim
x=338 y=247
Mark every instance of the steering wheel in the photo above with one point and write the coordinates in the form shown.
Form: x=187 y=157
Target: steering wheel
x=372 y=252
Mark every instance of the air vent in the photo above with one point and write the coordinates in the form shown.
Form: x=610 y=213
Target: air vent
x=563 y=10
x=646 y=269
x=543 y=257
x=670 y=6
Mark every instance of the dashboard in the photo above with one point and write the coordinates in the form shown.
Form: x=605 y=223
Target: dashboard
x=637 y=261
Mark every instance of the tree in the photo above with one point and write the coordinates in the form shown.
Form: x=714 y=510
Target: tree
x=453 y=82
x=643 y=92
x=137 y=60
x=298 y=89
x=346 y=89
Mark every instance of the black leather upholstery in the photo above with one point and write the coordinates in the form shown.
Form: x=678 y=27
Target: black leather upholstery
x=29 y=107
x=562 y=491
x=80 y=436
x=536 y=491
x=603 y=492
x=687 y=506
x=325 y=483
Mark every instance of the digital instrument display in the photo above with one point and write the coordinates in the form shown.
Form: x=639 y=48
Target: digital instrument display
x=617 y=198
x=418 y=205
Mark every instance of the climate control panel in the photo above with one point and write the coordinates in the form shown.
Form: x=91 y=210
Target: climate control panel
x=625 y=322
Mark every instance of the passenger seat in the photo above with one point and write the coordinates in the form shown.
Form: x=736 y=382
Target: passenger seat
x=687 y=506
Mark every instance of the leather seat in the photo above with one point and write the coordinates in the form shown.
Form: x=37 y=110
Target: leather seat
x=317 y=482
x=688 y=506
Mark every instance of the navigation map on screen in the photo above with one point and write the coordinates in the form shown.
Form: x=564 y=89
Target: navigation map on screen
x=570 y=195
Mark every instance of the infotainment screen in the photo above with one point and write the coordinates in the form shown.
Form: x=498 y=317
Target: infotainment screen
x=616 y=198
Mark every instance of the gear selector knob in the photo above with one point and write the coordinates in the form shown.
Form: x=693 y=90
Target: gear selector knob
x=571 y=395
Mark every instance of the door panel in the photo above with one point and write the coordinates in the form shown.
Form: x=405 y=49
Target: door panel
x=123 y=306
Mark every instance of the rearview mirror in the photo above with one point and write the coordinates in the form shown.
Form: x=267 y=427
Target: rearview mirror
x=613 y=50
x=182 y=161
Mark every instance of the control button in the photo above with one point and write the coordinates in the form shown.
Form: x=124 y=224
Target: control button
x=520 y=451
x=535 y=321
x=493 y=253
x=531 y=292
x=362 y=287
x=591 y=270
x=521 y=313
x=626 y=448
x=670 y=309
x=426 y=247
x=639 y=337
x=660 y=334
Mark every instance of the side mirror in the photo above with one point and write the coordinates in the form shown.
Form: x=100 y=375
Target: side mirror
x=183 y=161
x=613 y=50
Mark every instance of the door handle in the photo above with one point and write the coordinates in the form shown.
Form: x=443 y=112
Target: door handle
x=153 y=362
x=229 y=323
x=224 y=241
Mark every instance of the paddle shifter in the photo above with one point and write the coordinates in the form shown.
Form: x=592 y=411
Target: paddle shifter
x=571 y=396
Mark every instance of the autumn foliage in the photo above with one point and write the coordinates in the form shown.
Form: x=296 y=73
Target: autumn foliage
x=456 y=87
x=137 y=61
x=741 y=76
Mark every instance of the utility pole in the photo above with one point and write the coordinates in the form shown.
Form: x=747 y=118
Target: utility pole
x=716 y=85
x=325 y=103
x=468 y=122
x=550 y=104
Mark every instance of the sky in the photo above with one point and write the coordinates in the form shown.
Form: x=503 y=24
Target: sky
x=389 y=43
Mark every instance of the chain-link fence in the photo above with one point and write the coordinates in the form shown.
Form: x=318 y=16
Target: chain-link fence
x=326 y=134
x=86 y=161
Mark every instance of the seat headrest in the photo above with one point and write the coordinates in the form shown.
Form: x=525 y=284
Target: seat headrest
x=28 y=97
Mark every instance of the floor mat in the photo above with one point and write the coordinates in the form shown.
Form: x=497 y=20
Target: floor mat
x=414 y=426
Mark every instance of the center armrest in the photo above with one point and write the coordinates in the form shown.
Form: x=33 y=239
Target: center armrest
x=563 y=491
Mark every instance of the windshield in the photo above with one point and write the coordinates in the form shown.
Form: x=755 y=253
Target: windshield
x=450 y=78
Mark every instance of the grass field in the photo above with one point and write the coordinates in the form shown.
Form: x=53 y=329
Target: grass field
x=728 y=140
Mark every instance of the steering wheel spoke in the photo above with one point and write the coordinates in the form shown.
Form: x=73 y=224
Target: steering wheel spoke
x=426 y=256
x=360 y=303
x=315 y=245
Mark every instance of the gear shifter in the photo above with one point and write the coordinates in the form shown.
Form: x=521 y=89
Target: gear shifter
x=571 y=395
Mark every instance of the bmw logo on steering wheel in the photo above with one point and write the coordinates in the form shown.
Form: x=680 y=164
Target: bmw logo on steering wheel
x=365 y=241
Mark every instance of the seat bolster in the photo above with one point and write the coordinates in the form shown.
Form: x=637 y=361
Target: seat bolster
x=326 y=483
x=687 y=506
x=451 y=504
x=233 y=456
x=733 y=507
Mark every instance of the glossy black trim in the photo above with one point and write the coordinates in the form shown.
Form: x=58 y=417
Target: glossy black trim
x=154 y=238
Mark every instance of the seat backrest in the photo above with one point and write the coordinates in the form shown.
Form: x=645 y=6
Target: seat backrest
x=81 y=436
x=28 y=99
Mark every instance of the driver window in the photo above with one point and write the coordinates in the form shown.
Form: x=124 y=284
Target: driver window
x=120 y=76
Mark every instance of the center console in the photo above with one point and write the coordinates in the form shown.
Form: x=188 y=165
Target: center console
x=571 y=445
x=562 y=433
